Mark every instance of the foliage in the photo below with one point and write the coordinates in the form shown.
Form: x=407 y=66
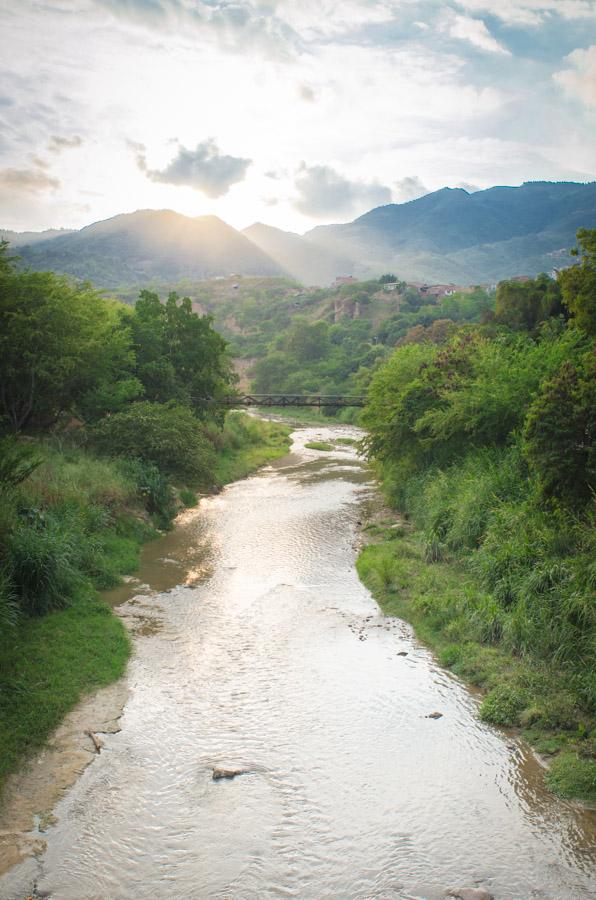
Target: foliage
x=165 y=434
x=319 y=445
x=17 y=462
x=524 y=304
x=47 y=665
x=57 y=341
x=179 y=355
x=560 y=432
x=451 y=612
x=42 y=562
x=154 y=487
x=486 y=443
x=578 y=283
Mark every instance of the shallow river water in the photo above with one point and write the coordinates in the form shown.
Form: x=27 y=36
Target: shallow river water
x=258 y=648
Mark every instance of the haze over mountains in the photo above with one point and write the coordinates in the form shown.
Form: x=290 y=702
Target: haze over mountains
x=448 y=235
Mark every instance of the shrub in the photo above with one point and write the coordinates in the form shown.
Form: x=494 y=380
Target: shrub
x=165 y=434
x=560 y=433
x=502 y=705
x=8 y=604
x=42 y=562
x=154 y=487
x=188 y=497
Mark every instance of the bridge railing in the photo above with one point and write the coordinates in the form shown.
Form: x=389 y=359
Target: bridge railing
x=284 y=400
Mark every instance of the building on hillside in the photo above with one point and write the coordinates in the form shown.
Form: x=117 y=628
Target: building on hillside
x=441 y=290
x=392 y=285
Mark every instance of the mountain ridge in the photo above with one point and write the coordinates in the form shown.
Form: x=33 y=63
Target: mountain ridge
x=446 y=235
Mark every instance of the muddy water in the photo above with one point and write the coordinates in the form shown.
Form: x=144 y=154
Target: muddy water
x=257 y=648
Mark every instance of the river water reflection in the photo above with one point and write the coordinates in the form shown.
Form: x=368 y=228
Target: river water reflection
x=258 y=648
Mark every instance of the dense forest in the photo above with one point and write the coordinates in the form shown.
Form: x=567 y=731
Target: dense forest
x=486 y=444
x=106 y=432
x=290 y=339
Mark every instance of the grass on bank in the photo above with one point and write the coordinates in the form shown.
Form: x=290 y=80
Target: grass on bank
x=74 y=527
x=445 y=604
x=247 y=444
x=319 y=445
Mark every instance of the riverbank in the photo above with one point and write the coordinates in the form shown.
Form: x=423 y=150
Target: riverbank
x=96 y=510
x=439 y=599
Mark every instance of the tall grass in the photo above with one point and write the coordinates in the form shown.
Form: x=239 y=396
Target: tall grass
x=536 y=564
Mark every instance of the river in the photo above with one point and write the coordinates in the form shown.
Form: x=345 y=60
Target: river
x=258 y=648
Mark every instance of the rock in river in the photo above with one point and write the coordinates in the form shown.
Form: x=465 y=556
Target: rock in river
x=469 y=893
x=227 y=773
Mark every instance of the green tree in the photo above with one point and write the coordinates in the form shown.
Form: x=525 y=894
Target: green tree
x=179 y=355
x=560 y=432
x=165 y=434
x=57 y=341
x=578 y=283
x=307 y=341
x=524 y=304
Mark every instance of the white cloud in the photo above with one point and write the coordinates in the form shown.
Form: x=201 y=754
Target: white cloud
x=531 y=12
x=324 y=192
x=27 y=181
x=204 y=169
x=579 y=78
x=408 y=188
x=472 y=30
x=57 y=143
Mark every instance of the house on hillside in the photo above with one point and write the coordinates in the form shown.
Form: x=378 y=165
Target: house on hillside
x=392 y=286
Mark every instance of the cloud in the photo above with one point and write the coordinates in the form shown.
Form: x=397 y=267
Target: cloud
x=466 y=186
x=579 y=79
x=235 y=25
x=472 y=30
x=204 y=169
x=57 y=144
x=324 y=192
x=27 y=181
x=408 y=188
x=531 y=12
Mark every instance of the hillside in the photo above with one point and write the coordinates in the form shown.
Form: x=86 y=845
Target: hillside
x=304 y=261
x=451 y=235
x=447 y=236
x=23 y=238
x=150 y=245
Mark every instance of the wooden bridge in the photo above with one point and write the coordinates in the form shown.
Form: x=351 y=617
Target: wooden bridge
x=337 y=401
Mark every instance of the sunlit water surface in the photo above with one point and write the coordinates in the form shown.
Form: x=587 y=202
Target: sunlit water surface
x=263 y=651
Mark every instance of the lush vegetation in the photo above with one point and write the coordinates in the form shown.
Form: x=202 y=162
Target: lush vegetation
x=107 y=428
x=486 y=444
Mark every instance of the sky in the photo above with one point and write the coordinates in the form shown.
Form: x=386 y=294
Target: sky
x=289 y=112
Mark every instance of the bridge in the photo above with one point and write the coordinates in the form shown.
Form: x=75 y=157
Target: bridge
x=337 y=401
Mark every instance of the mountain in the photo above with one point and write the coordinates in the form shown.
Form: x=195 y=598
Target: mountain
x=447 y=236
x=21 y=238
x=150 y=245
x=451 y=235
x=302 y=259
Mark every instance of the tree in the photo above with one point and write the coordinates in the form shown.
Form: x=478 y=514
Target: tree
x=179 y=355
x=165 y=434
x=307 y=341
x=578 y=283
x=271 y=372
x=560 y=432
x=524 y=304
x=57 y=341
